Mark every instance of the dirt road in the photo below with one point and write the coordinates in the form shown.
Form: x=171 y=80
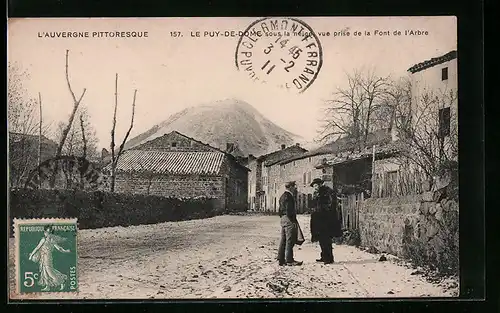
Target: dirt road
x=229 y=257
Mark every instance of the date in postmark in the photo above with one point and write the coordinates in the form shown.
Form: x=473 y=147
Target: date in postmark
x=46 y=255
x=281 y=51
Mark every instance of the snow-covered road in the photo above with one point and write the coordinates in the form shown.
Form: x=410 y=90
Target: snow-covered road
x=229 y=257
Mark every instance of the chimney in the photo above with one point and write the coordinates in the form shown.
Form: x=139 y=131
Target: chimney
x=297 y=144
x=283 y=147
x=229 y=146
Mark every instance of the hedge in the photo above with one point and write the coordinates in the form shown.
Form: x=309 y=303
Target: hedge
x=104 y=209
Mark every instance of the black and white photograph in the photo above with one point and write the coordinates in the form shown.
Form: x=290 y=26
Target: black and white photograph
x=234 y=157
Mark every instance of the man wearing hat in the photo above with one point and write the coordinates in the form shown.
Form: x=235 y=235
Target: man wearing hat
x=325 y=221
x=289 y=227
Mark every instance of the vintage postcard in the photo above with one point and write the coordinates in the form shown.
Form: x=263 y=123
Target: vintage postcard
x=235 y=157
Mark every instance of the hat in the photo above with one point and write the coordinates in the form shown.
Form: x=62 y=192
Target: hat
x=290 y=184
x=316 y=181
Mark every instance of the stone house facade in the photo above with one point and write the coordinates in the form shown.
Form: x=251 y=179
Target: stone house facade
x=434 y=86
x=176 y=165
x=261 y=180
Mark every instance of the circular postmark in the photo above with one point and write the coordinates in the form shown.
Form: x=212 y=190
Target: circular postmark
x=281 y=51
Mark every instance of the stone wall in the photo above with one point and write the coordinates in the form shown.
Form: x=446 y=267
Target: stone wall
x=177 y=186
x=236 y=187
x=253 y=180
x=413 y=227
x=295 y=170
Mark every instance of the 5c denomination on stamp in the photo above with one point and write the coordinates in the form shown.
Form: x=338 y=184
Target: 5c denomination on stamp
x=46 y=255
x=282 y=51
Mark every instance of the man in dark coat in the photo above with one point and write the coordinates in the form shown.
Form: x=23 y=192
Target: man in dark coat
x=289 y=227
x=325 y=219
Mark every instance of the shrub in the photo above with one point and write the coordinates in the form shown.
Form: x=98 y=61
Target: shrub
x=103 y=209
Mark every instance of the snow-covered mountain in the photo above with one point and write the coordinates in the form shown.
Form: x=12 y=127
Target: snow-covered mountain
x=222 y=122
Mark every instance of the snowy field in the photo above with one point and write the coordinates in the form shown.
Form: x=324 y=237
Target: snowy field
x=229 y=257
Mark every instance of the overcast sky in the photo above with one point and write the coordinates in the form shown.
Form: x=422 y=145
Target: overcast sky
x=173 y=73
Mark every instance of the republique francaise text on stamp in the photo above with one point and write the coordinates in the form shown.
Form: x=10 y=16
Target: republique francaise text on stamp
x=46 y=255
x=283 y=51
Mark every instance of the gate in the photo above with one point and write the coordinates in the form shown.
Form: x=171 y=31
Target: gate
x=350 y=206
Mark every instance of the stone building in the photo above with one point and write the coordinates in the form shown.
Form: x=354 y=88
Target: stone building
x=262 y=184
x=175 y=165
x=434 y=123
x=314 y=164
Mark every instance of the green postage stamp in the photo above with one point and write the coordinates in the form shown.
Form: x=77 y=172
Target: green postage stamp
x=46 y=255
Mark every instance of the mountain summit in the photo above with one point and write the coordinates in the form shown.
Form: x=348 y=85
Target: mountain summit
x=222 y=124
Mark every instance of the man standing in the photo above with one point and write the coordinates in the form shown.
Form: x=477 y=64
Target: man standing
x=289 y=227
x=325 y=221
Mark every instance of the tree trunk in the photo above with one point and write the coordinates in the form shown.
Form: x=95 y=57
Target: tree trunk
x=40 y=139
x=76 y=103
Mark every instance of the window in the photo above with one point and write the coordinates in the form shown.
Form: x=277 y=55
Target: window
x=309 y=177
x=444 y=122
x=293 y=163
x=174 y=144
x=274 y=186
x=305 y=179
x=444 y=73
x=309 y=159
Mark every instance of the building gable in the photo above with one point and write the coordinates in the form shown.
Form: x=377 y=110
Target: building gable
x=176 y=142
x=277 y=156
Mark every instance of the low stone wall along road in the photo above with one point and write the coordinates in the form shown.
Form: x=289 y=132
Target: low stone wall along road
x=229 y=257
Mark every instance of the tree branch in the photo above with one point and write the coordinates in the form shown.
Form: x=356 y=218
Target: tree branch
x=76 y=104
x=120 y=151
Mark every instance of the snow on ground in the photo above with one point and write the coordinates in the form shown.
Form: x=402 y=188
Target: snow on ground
x=228 y=257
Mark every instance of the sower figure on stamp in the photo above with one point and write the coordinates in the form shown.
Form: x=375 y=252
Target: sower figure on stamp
x=42 y=254
x=289 y=227
x=325 y=220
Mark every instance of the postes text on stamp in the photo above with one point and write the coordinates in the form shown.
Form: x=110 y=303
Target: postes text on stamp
x=281 y=51
x=46 y=255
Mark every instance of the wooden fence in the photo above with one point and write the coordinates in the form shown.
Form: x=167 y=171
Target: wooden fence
x=350 y=206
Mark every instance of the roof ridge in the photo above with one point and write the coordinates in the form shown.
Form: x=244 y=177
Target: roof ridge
x=433 y=61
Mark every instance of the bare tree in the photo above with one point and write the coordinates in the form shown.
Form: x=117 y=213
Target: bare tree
x=353 y=111
x=429 y=129
x=24 y=125
x=84 y=154
x=148 y=175
x=82 y=139
x=115 y=156
x=67 y=128
x=40 y=135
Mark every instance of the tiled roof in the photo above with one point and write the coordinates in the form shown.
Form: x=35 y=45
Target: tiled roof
x=432 y=62
x=180 y=163
x=280 y=155
x=234 y=158
x=384 y=148
x=382 y=136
